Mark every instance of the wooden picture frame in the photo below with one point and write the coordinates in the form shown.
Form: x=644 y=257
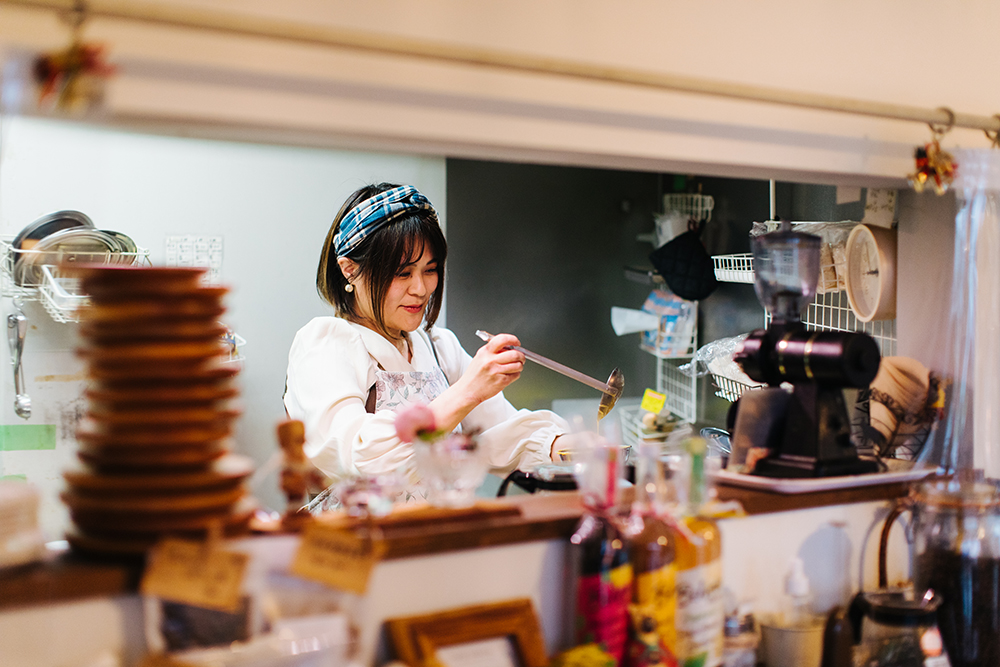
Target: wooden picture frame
x=417 y=638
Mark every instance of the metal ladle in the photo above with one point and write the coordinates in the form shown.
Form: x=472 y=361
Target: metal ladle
x=611 y=390
x=17 y=327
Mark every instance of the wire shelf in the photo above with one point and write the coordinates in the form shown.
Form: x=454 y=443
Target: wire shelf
x=832 y=312
x=680 y=390
x=698 y=207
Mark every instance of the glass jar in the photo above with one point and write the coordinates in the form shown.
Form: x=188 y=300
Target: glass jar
x=956 y=528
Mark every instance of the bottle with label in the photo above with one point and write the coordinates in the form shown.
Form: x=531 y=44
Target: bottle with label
x=604 y=574
x=700 y=616
x=652 y=639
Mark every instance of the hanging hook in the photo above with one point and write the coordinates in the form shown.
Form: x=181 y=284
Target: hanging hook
x=994 y=136
x=939 y=131
x=75 y=17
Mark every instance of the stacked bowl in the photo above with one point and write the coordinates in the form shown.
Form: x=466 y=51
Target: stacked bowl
x=154 y=443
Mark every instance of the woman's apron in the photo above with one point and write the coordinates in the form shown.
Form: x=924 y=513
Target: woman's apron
x=395 y=391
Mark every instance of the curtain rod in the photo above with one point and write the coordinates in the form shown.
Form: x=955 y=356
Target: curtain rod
x=160 y=13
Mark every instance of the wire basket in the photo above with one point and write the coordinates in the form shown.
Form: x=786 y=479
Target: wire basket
x=697 y=207
x=736 y=268
x=633 y=432
x=731 y=389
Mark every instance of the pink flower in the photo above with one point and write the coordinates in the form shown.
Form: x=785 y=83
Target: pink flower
x=414 y=422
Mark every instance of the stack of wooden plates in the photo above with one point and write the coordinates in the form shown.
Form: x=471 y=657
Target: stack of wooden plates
x=154 y=443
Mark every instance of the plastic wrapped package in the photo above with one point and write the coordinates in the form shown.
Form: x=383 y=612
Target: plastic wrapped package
x=678 y=320
x=717 y=358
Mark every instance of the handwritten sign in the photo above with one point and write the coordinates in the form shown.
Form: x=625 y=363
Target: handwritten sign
x=195 y=573
x=652 y=401
x=336 y=557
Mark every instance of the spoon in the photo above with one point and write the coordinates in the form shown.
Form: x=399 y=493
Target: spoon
x=17 y=327
x=611 y=390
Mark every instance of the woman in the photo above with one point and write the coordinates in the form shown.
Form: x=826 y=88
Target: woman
x=382 y=269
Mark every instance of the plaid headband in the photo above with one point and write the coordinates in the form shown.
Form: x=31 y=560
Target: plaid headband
x=374 y=213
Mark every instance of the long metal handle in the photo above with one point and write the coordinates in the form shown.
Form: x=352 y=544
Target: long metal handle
x=17 y=328
x=555 y=366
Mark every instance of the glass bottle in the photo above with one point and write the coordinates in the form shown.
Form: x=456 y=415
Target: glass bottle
x=700 y=616
x=604 y=574
x=652 y=639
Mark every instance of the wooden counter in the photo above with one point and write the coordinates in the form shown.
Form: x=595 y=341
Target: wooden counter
x=411 y=532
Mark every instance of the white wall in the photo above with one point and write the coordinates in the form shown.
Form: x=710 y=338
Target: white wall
x=272 y=205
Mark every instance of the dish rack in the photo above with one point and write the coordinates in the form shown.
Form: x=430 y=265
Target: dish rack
x=58 y=293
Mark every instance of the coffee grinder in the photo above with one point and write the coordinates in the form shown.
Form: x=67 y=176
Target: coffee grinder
x=815 y=439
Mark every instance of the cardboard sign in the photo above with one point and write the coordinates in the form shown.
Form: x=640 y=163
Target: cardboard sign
x=336 y=557
x=195 y=573
x=652 y=401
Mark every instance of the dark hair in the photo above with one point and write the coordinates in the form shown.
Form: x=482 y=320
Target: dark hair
x=379 y=258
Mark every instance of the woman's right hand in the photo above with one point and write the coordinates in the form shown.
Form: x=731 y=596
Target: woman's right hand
x=493 y=368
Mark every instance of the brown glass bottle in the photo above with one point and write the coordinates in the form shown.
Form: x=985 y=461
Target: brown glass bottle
x=652 y=551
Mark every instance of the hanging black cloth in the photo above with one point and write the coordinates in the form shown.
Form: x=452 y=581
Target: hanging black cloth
x=685 y=264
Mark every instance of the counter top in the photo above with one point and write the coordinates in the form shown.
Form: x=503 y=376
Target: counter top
x=412 y=532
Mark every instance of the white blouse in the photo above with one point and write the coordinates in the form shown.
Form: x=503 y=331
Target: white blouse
x=331 y=367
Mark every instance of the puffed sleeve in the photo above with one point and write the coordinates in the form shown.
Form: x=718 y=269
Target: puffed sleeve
x=328 y=379
x=513 y=438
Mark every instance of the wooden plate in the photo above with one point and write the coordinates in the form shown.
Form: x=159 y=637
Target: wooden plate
x=189 y=328
x=201 y=393
x=104 y=281
x=232 y=519
x=111 y=459
x=150 y=373
x=226 y=472
x=122 y=352
x=142 y=423
x=133 y=504
x=107 y=543
x=104 y=434
x=206 y=303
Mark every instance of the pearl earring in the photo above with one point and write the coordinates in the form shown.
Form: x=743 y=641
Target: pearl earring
x=348 y=287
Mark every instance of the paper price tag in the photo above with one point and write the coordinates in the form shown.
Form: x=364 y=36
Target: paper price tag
x=336 y=557
x=195 y=573
x=652 y=401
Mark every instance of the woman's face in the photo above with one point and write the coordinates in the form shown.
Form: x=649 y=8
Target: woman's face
x=406 y=300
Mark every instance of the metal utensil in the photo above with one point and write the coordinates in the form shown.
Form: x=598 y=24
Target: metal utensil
x=17 y=327
x=611 y=390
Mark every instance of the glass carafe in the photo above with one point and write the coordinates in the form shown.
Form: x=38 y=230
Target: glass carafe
x=956 y=531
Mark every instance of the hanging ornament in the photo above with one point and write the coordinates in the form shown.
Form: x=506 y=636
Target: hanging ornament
x=72 y=80
x=934 y=165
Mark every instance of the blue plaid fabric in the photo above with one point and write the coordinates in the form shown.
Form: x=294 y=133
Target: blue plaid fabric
x=372 y=214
